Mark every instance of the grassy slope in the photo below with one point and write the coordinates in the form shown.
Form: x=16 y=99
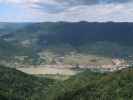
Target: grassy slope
x=95 y=86
x=15 y=85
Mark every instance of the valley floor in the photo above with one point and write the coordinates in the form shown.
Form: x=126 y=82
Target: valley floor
x=63 y=69
x=48 y=70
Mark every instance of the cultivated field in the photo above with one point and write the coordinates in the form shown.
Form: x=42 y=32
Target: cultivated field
x=47 y=71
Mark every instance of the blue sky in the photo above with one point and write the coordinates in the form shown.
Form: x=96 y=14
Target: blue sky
x=66 y=10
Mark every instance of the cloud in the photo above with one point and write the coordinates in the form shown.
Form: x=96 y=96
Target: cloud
x=51 y=7
x=69 y=10
x=91 y=2
x=56 y=6
x=100 y=13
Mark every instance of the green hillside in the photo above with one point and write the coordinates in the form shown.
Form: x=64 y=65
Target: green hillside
x=15 y=85
x=95 y=86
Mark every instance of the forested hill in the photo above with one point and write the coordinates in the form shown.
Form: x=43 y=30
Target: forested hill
x=95 y=86
x=74 y=33
x=15 y=85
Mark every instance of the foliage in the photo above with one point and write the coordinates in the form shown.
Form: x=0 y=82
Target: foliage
x=95 y=86
x=15 y=85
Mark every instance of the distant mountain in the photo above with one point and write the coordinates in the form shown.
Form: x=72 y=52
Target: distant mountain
x=74 y=33
x=64 y=37
x=12 y=25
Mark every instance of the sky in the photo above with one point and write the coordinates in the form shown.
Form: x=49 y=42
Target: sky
x=66 y=10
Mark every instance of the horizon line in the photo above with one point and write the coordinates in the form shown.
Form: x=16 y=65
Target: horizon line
x=66 y=21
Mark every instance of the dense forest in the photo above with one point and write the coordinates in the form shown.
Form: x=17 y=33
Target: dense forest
x=15 y=85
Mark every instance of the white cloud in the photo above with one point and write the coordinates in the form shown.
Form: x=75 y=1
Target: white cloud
x=109 y=12
x=27 y=1
x=99 y=12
